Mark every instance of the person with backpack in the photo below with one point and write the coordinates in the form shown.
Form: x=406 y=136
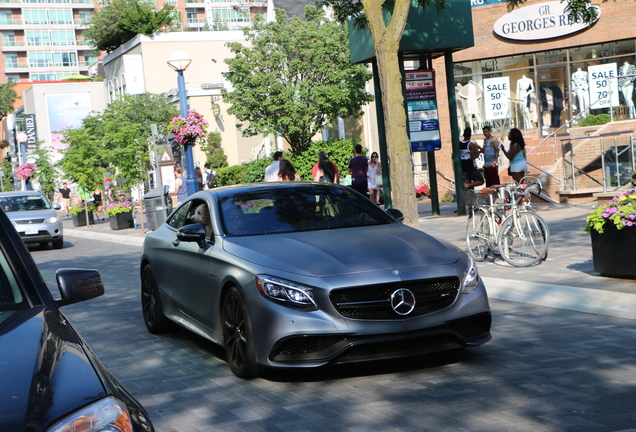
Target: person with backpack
x=209 y=177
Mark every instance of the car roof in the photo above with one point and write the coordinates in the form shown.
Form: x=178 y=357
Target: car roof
x=19 y=193
x=233 y=189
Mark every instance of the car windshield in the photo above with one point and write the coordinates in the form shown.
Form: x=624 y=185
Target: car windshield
x=24 y=203
x=310 y=208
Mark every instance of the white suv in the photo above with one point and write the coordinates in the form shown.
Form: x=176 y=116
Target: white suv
x=33 y=217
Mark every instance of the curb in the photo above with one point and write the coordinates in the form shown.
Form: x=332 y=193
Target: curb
x=585 y=300
x=121 y=239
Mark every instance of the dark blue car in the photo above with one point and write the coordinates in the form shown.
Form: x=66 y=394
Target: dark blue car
x=50 y=380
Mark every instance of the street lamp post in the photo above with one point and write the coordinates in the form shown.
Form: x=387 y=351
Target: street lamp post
x=179 y=62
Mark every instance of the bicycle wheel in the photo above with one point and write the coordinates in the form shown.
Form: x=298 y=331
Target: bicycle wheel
x=478 y=235
x=523 y=239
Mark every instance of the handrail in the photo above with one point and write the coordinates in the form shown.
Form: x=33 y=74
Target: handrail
x=546 y=173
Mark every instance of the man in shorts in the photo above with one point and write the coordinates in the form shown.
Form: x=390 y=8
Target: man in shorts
x=469 y=151
x=64 y=197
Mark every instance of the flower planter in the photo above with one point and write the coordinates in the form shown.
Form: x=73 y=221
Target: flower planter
x=80 y=219
x=613 y=251
x=121 y=221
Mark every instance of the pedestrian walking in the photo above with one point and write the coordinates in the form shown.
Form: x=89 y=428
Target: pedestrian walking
x=490 y=150
x=325 y=170
x=271 y=172
x=358 y=168
x=180 y=187
x=287 y=172
x=516 y=154
x=64 y=197
x=469 y=151
x=374 y=170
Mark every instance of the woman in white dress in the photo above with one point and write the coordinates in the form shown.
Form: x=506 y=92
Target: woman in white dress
x=374 y=169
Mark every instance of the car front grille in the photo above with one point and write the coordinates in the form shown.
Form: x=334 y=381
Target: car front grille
x=373 y=302
x=26 y=222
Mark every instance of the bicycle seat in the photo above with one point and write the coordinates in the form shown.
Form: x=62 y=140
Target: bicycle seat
x=487 y=190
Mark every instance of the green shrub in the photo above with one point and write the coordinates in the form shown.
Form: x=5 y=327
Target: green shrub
x=255 y=170
x=230 y=175
x=594 y=120
x=339 y=152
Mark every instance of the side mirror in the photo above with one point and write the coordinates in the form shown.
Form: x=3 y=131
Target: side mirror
x=192 y=233
x=396 y=214
x=57 y=206
x=77 y=285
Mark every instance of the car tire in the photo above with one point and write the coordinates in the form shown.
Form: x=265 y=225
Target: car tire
x=58 y=244
x=156 y=321
x=238 y=338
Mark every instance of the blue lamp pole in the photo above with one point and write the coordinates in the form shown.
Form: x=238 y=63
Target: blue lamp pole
x=179 y=62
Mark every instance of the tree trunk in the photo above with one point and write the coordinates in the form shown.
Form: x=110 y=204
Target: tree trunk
x=387 y=42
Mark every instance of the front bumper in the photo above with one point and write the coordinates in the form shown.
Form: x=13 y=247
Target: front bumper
x=339 y=349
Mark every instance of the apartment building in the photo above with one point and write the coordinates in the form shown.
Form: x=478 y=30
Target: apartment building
x=42 y=39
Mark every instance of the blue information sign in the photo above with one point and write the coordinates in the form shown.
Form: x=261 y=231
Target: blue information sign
x=421 y=103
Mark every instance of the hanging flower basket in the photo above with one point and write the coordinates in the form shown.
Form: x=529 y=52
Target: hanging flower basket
x=25 y=171
x=187 y=130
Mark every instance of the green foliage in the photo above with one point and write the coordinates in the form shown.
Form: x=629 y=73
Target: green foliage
x=594 y=120
x=293 y=77
x=116 y=141
x=448 y=198
x=620 y=211
x=7 y=180
x=339 y=152
x=215 y=154
x=81 y=207
x=255 y=170
x=230 y=175
x=7 y=98
x=118 y=21
x=46 y=173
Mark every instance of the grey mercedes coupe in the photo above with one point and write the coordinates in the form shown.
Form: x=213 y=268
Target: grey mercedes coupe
x=298 y=274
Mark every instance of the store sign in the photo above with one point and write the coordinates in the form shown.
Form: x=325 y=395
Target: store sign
x=497 y=97
x=31 y=131
x=539 y=21
x=603 y=85
x=422 y=112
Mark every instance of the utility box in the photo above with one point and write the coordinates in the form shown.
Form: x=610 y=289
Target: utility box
x=157 y=206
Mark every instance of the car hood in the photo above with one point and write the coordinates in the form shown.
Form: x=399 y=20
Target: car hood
x=45 y=373
x=31 y=214
x=344 y=251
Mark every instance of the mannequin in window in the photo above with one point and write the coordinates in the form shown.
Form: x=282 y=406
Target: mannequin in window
x=580 y=89
x=470 y=95
x=626 y=85
x=460 y=107
x=526 y=96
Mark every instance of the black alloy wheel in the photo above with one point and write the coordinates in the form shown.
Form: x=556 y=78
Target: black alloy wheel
x=155 y=320
x=237 y=336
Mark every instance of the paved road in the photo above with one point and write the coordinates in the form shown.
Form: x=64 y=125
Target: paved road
x=546 y=369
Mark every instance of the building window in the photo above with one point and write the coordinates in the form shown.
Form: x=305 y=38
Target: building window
x=50 y=37
x=13 y=78
x=48 y=16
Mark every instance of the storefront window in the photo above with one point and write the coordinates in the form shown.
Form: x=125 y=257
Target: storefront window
x=547 y=90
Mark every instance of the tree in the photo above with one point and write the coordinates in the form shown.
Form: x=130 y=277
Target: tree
x=118 y=21
x=116 y=140
x=293 y=77
x=215 y=154
x=46 y=172
x=7 y=98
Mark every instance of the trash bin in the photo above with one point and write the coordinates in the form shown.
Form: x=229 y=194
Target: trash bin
x=157 y=206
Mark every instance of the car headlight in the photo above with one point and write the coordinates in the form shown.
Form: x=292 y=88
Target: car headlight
x=52 y=219
x=471 y=277
x=286 y=292
x=105 y=415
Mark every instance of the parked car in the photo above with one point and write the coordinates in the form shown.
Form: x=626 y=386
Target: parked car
x=50 y=380
x=287 y=275
x=34 y=217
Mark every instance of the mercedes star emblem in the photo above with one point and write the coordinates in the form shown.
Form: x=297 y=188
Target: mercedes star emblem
x=403 y=301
